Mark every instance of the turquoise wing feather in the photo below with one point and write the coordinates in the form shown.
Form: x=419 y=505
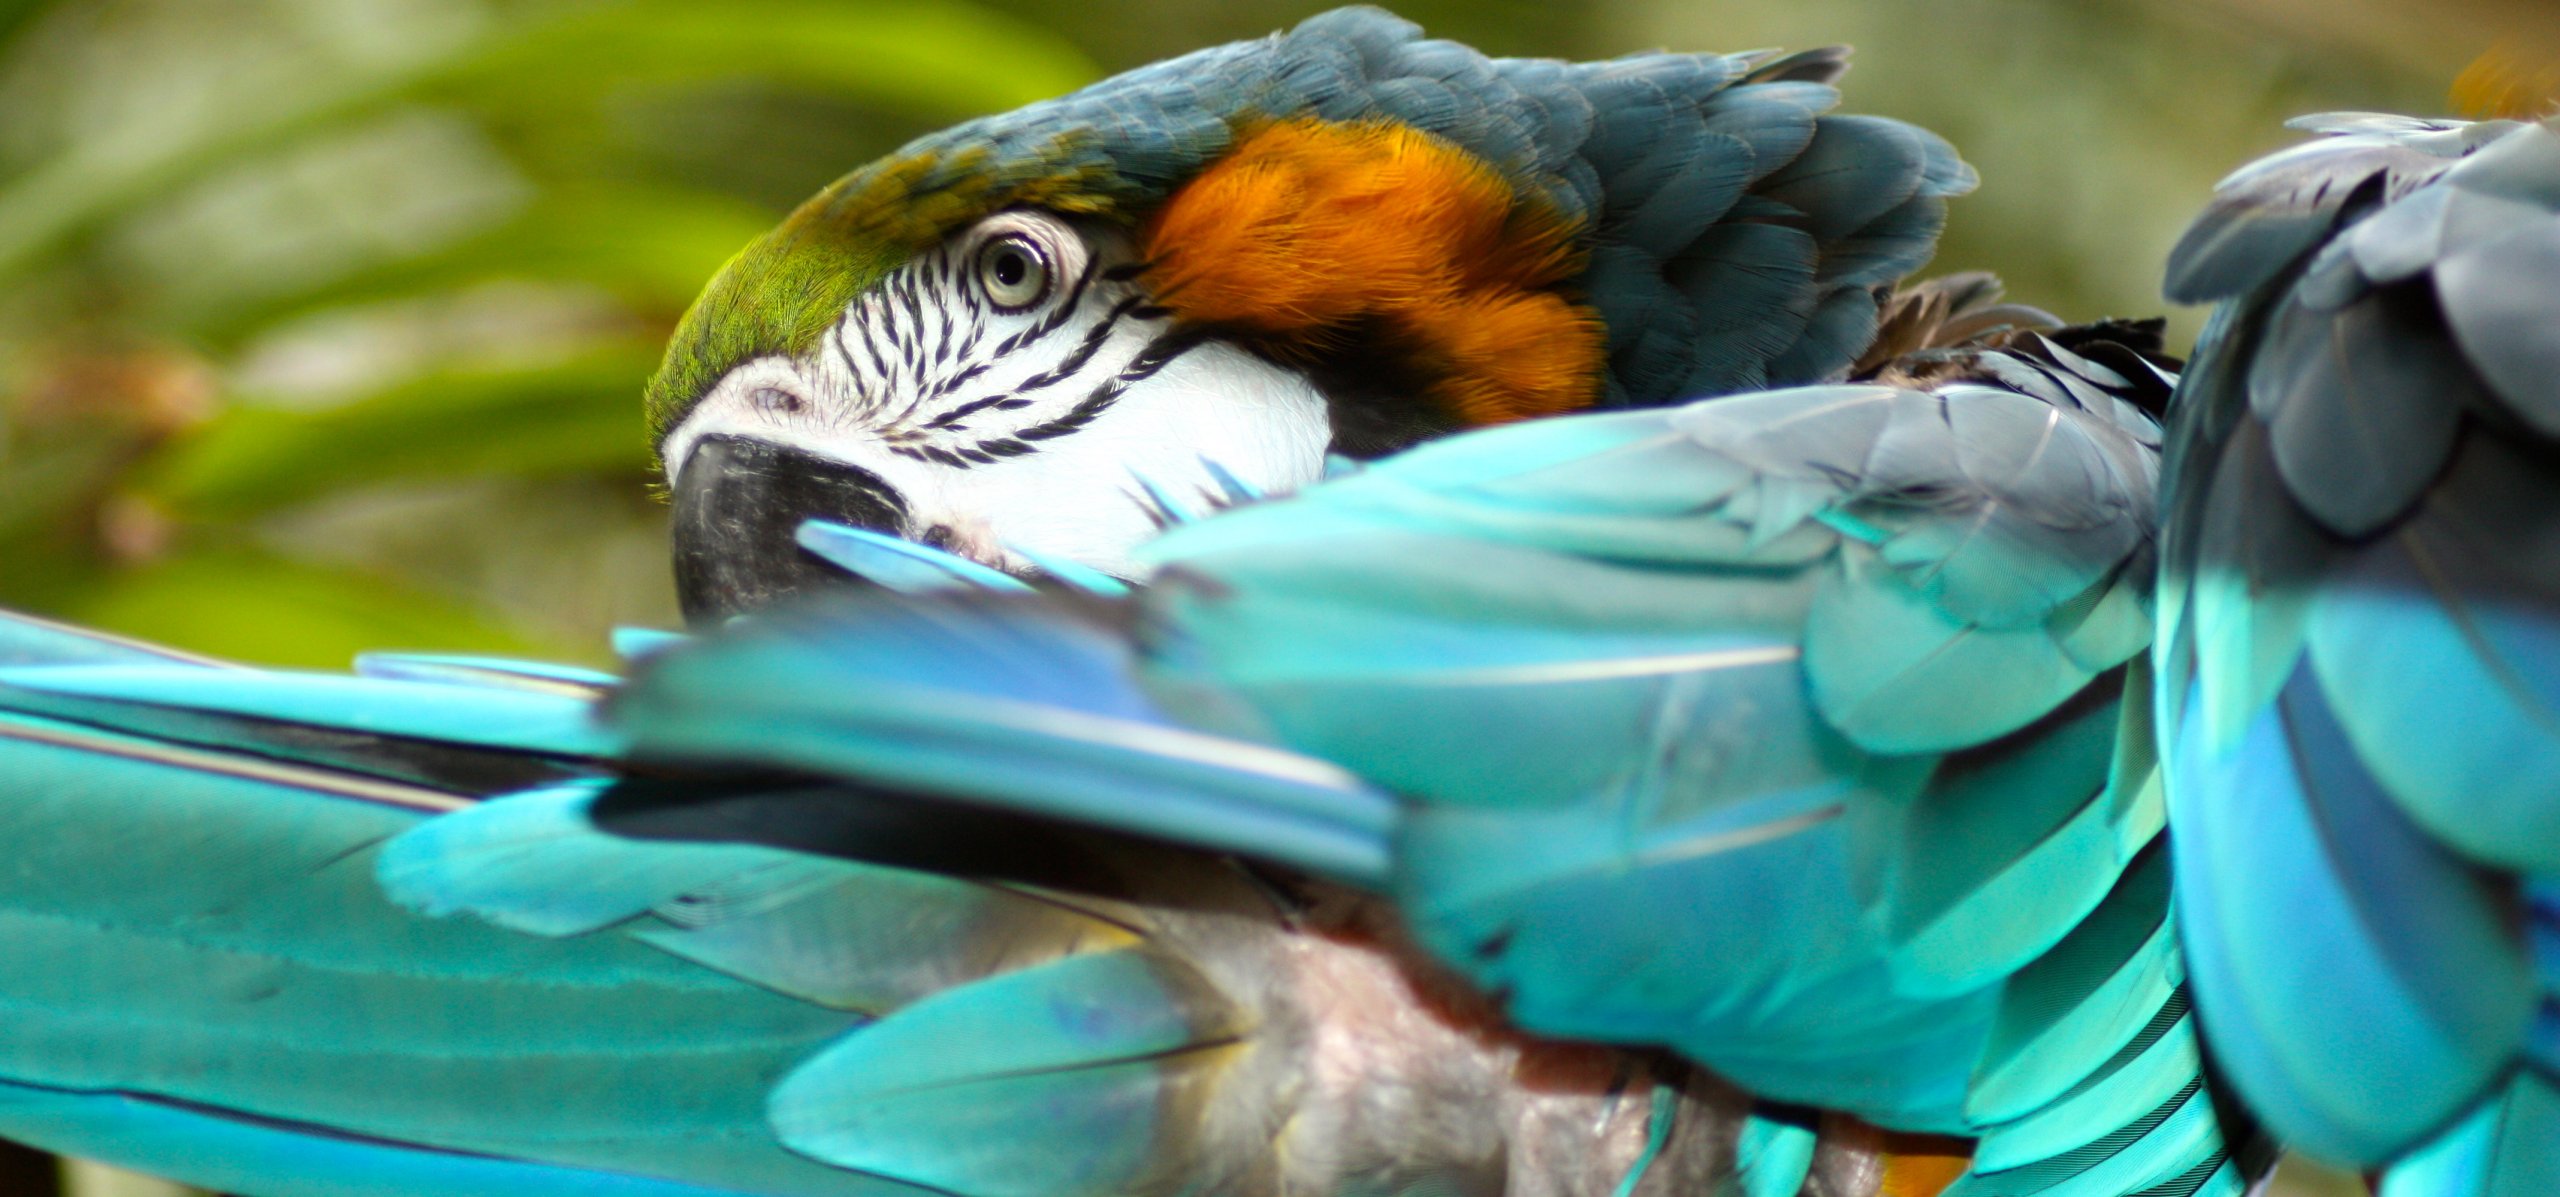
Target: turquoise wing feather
x=211 y=973
x=1688 y=662
x=203 y=978
x=1020 y=1043
x=2360 y=647
x=1026 y=704
x=1782 y=730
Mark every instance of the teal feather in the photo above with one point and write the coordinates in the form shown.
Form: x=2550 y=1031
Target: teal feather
x=2358 y=662
x=838 y=933
x=1890 y=247
x=2470 y=756
x=1084 y=1049
x=2408 y=947
x=1752 y=286
x=1621 y=584
x=1028 y=705
x=901 y=565
x=1072 y=573
x=2060 y=1019
x=1522 y=860
x=2007 y=850
x=1772 y=1155
x=540 y=677
x=242 y=1155
x=484 y=718
x=1882 y=659
x=631 y=644
x=1839 y=329
x=1693 y=196
x=239 y=958
x=256 y=992
x=2151 y=1069
x=532 y=862
x=2365 y=393
x=1540 y=636
x=2510 y=1147
x=1855 y=170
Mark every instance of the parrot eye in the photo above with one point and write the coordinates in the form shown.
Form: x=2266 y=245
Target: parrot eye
x=775 y=401
x=1014 y=272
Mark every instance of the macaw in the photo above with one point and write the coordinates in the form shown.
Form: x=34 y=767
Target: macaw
x=2357 y=656
x=1728 y=770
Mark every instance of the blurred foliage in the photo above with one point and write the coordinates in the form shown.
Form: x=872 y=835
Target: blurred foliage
x=323 y=322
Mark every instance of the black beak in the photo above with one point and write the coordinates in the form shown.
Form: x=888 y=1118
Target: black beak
x=739 y=505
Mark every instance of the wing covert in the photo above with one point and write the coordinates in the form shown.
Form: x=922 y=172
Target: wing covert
x=2359 y=658
x=1781 y=729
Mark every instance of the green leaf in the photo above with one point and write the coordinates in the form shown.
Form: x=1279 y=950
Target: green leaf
x=578 y=416
x=265 y=610
x=651 y=247
x=941 y=58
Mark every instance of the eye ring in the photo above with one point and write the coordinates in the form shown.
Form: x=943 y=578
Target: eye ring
x=776 y=401
x=1014 y=272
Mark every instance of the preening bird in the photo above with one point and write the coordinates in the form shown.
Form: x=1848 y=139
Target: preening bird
x=1345 y=239
x=1708 y=747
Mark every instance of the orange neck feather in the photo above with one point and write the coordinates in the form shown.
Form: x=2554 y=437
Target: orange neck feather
x=1312 y=232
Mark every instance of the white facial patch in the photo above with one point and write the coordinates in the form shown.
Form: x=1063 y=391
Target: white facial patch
x=1013 y=386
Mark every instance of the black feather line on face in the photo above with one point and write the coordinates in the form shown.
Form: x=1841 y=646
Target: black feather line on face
x=955 y=382
x=974 y=308
x=1084 y=350
x=871 y=350
x=1000 y=401
x=1160 y=352
x=903 y=286
x=1011 y=400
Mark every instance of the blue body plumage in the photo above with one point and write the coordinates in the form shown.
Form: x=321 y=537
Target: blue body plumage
x=1941 y=919
x=2358 y=644
x=1581 y=806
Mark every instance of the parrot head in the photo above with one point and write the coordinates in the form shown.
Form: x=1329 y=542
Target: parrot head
x=1216 y=271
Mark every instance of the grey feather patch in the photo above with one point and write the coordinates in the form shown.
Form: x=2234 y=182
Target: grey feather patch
x=1857 y=169
x=1776 y=122
x=2267 y=216
x=2403 y=240
x=2035 y=517
x=2364 y=407
x=1751 y=285
x=2524 y=167
x=1888 y=248
x=2473 y=218
x=1708 y=179
x=2499 y=300
x=2333 y=280
x=1839 y=329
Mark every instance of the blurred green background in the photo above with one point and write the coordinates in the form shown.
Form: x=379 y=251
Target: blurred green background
x=323 y=322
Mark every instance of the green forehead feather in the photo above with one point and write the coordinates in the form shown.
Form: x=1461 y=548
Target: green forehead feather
x=780 y=294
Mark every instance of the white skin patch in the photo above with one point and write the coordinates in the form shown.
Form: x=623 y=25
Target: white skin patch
x=1014 y=385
